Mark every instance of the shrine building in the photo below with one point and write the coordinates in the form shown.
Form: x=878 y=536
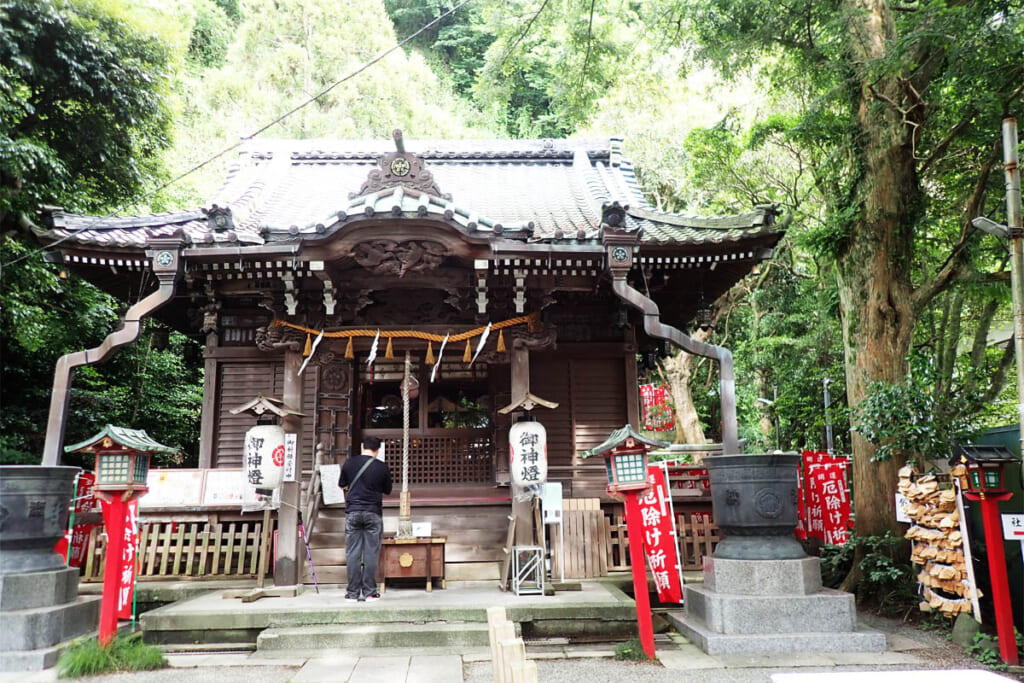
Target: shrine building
x=316 y=255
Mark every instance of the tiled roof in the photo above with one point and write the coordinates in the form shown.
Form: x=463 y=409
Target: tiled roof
x=536 y=190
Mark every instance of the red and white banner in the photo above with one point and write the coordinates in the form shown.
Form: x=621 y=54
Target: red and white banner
x=658 y=416
x=128 y=560
x=78 y=536
x=661 y=545
x=826 y=497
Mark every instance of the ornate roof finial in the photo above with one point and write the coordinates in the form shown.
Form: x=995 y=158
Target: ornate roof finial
x=399 y=168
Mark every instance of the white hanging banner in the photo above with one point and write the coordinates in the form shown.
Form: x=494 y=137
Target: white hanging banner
x=373 y=349
x=528 y=453
x=480 y=345
x=312 y=350
x=437 y=363
x=264 y=456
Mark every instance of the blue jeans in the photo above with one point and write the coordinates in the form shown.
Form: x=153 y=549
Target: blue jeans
x=362 y=550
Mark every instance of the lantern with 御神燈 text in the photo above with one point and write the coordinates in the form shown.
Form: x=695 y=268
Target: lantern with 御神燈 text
x=263 y=451
x=263 y=456
x=528 y=448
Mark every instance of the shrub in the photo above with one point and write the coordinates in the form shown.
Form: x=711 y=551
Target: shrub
x=125 y=653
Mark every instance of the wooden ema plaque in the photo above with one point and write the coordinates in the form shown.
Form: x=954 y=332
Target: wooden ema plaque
x=412 y=558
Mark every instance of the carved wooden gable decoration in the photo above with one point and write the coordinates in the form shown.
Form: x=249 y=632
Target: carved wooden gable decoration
x=400 y=168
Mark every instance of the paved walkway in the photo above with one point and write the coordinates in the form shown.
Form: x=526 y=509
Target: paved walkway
x=680 y=661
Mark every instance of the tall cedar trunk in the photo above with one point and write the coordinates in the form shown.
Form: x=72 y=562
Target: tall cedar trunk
x=678 y=373
x=875 y=265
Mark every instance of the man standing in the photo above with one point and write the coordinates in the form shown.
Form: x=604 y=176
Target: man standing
x=368 y=480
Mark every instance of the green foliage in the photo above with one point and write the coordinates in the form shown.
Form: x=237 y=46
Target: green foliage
x=911 y=417
x=551 y=62
x=631 y=651
x=455 y=46
x=123 y=654
x=985 y=649
x=887 y=577
x=83 y=104
x=211 y=36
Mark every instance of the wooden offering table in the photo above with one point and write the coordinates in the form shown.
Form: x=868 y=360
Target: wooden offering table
x=412 y=558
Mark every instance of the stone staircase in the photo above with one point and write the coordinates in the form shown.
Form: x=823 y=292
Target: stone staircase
x=453 y=619
x=41 y=612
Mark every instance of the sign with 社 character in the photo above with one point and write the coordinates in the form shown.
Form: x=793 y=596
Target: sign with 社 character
x=661 y=545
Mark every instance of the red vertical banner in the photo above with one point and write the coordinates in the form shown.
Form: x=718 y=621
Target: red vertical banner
x=128 y=560
x=78 y=536
x=661 y=546
x=657 y=413
x=826 y=497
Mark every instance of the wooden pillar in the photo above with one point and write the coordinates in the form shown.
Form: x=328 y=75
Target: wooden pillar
x=286 y=569
x=522 y=510
x=208 y=418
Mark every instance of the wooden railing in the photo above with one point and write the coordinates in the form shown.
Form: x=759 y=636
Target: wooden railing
x=186 y=550
x=595 y=544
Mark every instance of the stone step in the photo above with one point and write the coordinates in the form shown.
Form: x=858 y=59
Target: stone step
x=44 y=627
x=38 y=589
x=714 y=643
x=381 y=635
x=827 y=611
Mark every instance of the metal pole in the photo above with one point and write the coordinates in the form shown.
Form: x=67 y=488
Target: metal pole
x=828 y=415
x=1013 y=223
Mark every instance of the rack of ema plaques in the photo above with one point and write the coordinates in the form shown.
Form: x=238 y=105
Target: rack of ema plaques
x=528 y=570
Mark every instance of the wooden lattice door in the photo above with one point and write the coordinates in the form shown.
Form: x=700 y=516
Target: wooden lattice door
x=334 y=403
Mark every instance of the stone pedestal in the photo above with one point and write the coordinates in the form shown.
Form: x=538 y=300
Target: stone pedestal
x=770 y=606
x=41 y=612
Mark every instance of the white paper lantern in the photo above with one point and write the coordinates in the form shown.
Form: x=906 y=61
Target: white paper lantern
x=528 y=446
x=264 y=456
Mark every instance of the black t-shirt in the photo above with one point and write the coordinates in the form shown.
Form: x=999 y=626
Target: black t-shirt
x=373 y=484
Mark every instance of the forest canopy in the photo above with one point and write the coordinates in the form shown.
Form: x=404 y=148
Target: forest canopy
x=874 y=128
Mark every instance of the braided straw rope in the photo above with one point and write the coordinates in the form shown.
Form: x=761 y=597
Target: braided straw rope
x=532 y=319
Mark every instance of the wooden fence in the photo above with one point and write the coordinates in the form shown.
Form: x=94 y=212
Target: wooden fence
x=594 y=545
x=186 y=550
x=697 y=534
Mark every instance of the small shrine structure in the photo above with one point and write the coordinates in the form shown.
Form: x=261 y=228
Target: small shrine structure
x=319 y=263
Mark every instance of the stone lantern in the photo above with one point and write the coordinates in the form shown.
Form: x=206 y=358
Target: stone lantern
x=122 y=465
x=985 y=485
x=625 y=459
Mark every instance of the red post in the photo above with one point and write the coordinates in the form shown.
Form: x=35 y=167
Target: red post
x=997 y=572
x=113 y=519
x=634 y=527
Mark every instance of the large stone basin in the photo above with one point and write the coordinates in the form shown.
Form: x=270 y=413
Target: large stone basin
x=34 y=507
x=754 y=498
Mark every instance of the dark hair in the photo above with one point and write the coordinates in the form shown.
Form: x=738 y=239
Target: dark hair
x=371 y=443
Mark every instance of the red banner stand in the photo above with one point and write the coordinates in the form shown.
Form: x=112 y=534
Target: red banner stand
x=997 y=571
x=635 y=529
x=114 y=513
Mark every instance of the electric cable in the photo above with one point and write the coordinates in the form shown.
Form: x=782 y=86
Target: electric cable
x=241 y=141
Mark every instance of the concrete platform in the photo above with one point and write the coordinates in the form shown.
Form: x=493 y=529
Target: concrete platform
x=597 y=609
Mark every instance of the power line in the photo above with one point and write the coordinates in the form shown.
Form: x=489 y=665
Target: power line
x=242 y=140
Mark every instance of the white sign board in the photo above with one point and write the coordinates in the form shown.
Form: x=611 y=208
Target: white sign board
x=1013 y=527
x=333 y=495
x=901 y=516
x=290 y=450
x=173 y=488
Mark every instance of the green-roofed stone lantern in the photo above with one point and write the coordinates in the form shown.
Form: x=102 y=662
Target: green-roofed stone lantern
x=122 y=458
x=122 y=465
x=625 y=453
x=625 y=459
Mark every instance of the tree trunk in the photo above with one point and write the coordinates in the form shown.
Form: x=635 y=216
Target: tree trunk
x=874 y=267
x=678 y=372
